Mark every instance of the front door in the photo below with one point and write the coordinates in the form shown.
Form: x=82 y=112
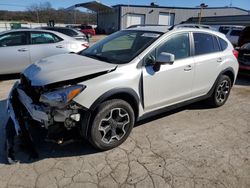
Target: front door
x=172 y=83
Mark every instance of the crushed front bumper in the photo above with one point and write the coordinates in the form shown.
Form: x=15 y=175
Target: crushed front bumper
x=17 y=100
x=23 y=111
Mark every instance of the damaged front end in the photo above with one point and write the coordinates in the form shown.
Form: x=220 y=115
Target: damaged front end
x=51 y=108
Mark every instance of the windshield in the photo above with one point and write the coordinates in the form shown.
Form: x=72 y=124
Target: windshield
x=121 y=47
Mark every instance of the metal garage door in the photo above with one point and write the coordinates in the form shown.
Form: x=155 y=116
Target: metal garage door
x=166 y=19
x=135 y=19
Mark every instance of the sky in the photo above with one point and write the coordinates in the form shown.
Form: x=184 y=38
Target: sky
x=12 y=5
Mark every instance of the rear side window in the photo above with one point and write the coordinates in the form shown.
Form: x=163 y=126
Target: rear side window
x=44 y=38
x=223 y=44
x=205 y=43
x=68 y=32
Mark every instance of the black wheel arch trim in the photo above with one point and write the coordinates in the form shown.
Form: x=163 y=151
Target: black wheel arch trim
x=88 y=114
x=114 y=92
x=229 y=69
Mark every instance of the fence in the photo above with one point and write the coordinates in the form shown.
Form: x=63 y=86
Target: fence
x=4 y=26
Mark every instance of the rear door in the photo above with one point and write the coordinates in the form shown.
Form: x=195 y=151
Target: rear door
x=14 y=52
x=45 y=44
x=207 y=58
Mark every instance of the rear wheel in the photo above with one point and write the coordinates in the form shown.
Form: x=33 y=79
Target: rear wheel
x=112 y=124
x=221 y=91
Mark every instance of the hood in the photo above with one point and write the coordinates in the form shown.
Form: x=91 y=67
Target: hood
x=65 y=67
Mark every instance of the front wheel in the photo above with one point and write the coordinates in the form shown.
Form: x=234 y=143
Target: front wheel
x=112 y=124
x=221 y=92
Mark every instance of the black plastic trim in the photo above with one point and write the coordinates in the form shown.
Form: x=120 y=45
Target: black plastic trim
x=168 y=108
x=113 y=92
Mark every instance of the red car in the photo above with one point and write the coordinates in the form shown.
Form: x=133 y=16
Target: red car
x=86 y=29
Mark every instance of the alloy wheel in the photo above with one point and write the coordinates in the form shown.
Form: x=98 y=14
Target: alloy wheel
x=223 y=91
x=114 y=126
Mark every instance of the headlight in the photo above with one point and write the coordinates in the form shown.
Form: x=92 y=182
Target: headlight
x=62 y=96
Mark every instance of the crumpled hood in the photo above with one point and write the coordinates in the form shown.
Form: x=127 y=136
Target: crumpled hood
x=64 y=67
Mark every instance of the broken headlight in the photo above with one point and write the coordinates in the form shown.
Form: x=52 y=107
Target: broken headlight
x=61 y=97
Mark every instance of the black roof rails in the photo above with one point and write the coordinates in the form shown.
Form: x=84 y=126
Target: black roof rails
x=198 y=26
x=145 y=25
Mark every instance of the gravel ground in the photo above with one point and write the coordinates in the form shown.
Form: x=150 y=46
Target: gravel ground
x=190 y=147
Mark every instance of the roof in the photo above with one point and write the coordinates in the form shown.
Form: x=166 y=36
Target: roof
x=222 y=20
x=149 y=6
x=165 y=29
x=92 y=5
x=41 y=30
x=160 y=28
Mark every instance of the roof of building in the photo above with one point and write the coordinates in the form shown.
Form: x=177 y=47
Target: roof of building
x=222 y=20
x=92 y=5
x=172 y=7
x=97 y=7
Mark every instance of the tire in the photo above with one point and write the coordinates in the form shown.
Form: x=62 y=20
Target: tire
x=112 y=124
x=221 y=92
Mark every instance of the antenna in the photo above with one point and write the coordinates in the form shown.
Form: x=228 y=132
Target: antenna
x=231 y=3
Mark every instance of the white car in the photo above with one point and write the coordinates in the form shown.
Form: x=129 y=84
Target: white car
x=21 y=48
x=130 y=75
x=232 y=32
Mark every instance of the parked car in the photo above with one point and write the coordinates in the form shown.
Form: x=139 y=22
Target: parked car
x=21 y=48
x=244 y=37
x=244 y=59
x=68 y=31
x=232 y=33
x=86 y=29
x=128 y=76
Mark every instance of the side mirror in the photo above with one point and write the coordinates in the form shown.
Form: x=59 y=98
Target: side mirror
x=165 y=58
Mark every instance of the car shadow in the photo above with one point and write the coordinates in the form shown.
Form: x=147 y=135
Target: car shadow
x=76 y=148
x=43 y=148
x=243 y=80
x=53 y=150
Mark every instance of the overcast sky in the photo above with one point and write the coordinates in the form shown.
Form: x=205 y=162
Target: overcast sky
x=22 y=4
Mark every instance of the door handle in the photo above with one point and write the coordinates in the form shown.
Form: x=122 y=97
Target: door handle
x=219 y=60
x=60 y=46
x=22 y=50
x=188 y=68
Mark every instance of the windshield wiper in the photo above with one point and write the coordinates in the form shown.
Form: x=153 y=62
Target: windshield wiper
x=95 y=56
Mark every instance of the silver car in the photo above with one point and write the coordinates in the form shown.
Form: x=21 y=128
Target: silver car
x=20 y=48
x=128 y=76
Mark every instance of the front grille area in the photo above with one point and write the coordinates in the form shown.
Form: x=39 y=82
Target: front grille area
x=33 y=92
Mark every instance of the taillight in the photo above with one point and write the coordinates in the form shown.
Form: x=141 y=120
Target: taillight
x=85 y=45
x=236 y=53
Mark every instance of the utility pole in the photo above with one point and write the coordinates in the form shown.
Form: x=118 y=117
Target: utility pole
x=37 y=16
x=202 y=6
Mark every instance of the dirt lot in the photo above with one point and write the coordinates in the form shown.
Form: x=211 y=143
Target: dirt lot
x=190 y=147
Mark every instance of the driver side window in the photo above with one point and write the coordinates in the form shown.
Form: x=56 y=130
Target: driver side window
x=178 y=45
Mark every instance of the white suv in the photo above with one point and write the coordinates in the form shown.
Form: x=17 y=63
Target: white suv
x=125 y=77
